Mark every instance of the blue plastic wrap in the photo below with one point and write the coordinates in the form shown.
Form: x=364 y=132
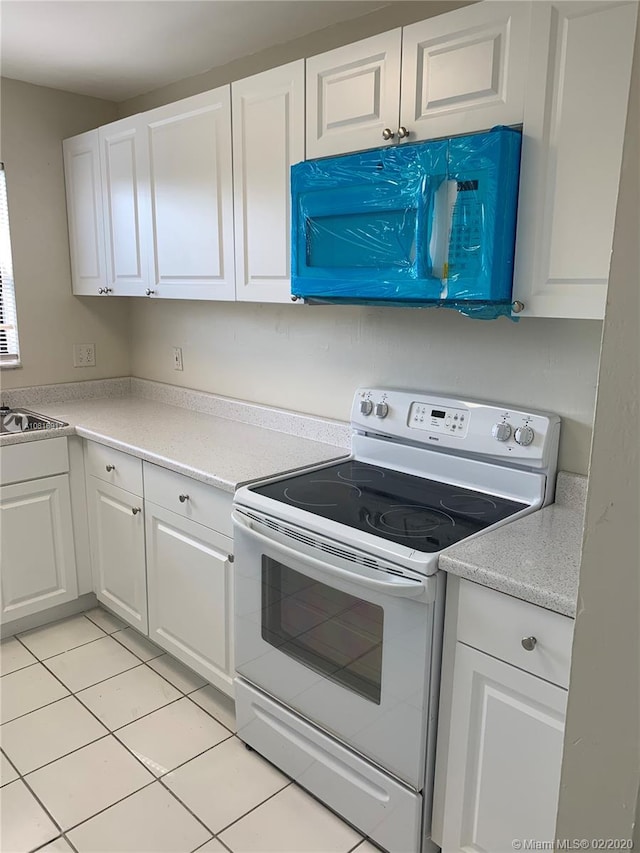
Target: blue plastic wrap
x=431 y=223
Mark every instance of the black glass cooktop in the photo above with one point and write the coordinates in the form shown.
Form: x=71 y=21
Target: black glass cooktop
x=412 y=511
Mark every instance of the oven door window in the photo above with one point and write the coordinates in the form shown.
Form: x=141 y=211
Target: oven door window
x=330 y=631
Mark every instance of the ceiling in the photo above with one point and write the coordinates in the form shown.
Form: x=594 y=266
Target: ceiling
x=117 y=49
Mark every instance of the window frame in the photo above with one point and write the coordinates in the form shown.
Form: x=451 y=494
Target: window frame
x=9 y=337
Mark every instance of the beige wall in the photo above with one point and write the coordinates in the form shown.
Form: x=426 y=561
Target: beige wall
x=311 y=359
x=601 y=766
x=396 y=14
x=35 y=120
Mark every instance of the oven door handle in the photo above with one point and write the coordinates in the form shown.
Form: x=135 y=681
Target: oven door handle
x=403 y=586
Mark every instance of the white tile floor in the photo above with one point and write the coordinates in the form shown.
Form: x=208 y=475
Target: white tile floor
x=111 y=746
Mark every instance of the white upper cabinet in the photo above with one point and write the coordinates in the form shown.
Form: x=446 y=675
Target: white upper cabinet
x=191 y=197
x=576 y=105
x=461 y=72
x=268 y=138
x=353 y=96
x=85 y=212
x=465 y=71
x=125 y=168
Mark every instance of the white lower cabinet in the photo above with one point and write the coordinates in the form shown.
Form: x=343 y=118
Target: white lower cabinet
x=161 y=554
x=189 y=593
x=501 y=728
x=116 y=529
x=504 y=757
x=36 y=548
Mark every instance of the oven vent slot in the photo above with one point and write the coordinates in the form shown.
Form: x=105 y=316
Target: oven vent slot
x=352 y=557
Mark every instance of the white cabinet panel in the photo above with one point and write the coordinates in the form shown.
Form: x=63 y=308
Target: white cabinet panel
x=189 y=581
x=117 y=551
x=190 y=184
x=353 y=94
x=268 y=138
x=465 y=71
x=37 y=550
x=125 y=166
x=85 y=213
x=575 y=116
x=504 y=757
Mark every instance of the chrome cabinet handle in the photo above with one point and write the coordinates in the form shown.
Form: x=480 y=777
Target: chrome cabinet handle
x=105 y=290
x=135 y=510
x=387 y=133
x=110 y=468
x=528 y=643
x=149 y=292
x=101 y=290
x=403 y=133
x=183 y=498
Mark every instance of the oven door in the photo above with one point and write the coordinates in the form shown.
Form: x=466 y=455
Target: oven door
x=346 y=644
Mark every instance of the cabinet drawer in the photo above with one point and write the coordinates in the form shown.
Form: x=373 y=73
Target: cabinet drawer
x=31 y=459
x=202 y=503
x=115 y=467
x=497 y=623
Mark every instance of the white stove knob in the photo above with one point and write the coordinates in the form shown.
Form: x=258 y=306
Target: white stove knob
x=366 y=407
x=381 y=410
x=524 y=435
x=501 y=432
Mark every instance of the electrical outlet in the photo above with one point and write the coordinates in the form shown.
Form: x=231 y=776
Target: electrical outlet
x=177 y=358
x=84 y=355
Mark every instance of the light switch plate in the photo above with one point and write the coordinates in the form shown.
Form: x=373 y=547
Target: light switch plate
x=177 y=358
x=84 y=355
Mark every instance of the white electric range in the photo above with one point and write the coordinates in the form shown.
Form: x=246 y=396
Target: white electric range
x=339 y=601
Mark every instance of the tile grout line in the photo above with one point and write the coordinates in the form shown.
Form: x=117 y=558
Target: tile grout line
x=111 y=733
x=190 y=695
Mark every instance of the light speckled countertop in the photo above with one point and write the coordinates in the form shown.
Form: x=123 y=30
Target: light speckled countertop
x=227 y=442
x=536 y=558
x=215 y=450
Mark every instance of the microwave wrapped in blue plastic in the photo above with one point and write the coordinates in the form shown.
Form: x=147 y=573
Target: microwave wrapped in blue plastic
x=430 y=223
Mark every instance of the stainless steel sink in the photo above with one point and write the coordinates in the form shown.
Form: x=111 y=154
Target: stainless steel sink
x=23 y=420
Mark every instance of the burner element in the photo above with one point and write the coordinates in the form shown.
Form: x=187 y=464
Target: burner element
x=361 y=474
x=410 y=520
x=327 y=493
x=468 y=504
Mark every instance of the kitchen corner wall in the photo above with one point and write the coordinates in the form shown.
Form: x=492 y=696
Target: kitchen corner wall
x=35 y=120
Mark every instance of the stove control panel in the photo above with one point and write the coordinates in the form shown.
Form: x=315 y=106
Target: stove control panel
x=471 y=428
x=438 y=419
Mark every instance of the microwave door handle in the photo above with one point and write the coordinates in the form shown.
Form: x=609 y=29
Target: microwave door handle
x=404 y=588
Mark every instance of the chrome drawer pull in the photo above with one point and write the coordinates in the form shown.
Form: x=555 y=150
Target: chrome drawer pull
x=528 y=643
x=183 y=498
x=110 y=468
x=135 y=510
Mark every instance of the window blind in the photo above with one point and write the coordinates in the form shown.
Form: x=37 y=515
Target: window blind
x=9 y=349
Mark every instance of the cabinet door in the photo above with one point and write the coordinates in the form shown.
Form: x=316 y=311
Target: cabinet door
x=574 y=127
x=36 y=548
x=353 y=94
x=268 y=138
x=117 y=551
x=85 y=213
x=190 y=597
x=124 y=162
x=465 y=71
x=504 y=755
x=191 y=193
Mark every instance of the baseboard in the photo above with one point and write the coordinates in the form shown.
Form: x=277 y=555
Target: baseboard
x=60 y=611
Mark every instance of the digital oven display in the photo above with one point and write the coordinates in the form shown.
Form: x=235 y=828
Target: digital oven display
x=437 y=413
